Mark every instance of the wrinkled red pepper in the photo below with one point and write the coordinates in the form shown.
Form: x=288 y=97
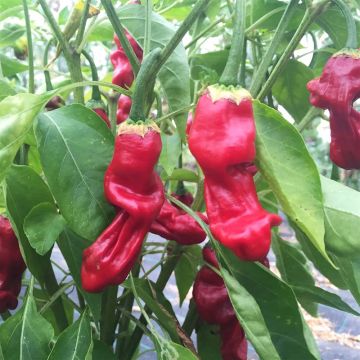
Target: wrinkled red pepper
x=123 y=108
x=133 y=186
x=123 y=75
x=336 y=90
x=222 y=139
x=214 y=307
x=12 y=266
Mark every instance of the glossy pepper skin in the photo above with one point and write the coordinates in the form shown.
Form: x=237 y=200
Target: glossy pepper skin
x=123 y=75
x=222 y=139
x=175 y=224
x=12 y=266
x=336 y=90
x=214 y=307
x=123 y=108
x=133 y=186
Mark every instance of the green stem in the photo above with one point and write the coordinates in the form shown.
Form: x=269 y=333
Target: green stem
x=120 y=32
x=310 y=15
x=190 y=319
x=242 y=75
x=231 y=71
x=112 y=107
x=147 y=37
x=335 y=173
x=309 y=116
x=275 y=42
x=81 y=30
x=56 y=295
x=108 y=320
x=175 y=113
x=58 y=308
x=30 y=48
x=351 y=41
x=264 y=18
x=48 y=83
x=96 y=95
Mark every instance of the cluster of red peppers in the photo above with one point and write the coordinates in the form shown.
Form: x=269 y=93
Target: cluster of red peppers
x=336 y=90
x=12 y=266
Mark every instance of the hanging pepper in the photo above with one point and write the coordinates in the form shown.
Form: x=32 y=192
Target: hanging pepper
x=123 y=108
x=222 y=139
x=336 y=90
x=12 y=266
x=133 y=186
x=123 y=75
x=214 y=307
x=55 y=103
x=102 y=113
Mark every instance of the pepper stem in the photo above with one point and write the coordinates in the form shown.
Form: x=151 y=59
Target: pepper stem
x=231 y=71
x=94 y=75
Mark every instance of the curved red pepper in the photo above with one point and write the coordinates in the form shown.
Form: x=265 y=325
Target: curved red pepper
x=12 y=266
x=222 y=139
x=102 y=113
x=123 y=75
x=214 y=307
x=133 y=186
x=123 y=108
x=175 y=224
x=336 y=90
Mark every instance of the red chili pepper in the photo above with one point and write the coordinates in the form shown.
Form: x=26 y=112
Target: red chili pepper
x=336 y=90
x=175 y=224
x=222 y=139
x=102 y=113
x=55 y=103
x=133 y=186
x=123 y=108
x=123 y=75
x=12 y=266
x=214 y=307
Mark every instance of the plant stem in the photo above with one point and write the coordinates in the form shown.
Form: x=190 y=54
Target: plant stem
x=147 y=38
x=108 y=320
x=48 y=83
x=30 y=48
x=309 y=116
x=52 y=288
x=94 y=75
x=268 y=57
x=190 y=319
x=81 y=30
x=120 y=32
x=351 y=41
x=310 y=15
x=112 y=107
x=231 y=71
x=259 y=21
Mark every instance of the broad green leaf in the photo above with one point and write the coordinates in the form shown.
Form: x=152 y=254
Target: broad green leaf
x=10 y=33
x=213 y=9
x=342 y=221
x=171 y=150
x=208 y=342
x=1 y=353
x=186 y=269
x=25 y=189
x=321 y=296
x=183 y=353
x=43 y=226
x=26 y=335
x=75 y=148
x=264 y=318
x=174 y=75
x=16 y=118
x=4 y=5
x=102 y=351
x=290 y=89
x=75 y=342
x=72 y=247
x=5 y=89
x=291 y=172
x=293 y=268
x=11 y=67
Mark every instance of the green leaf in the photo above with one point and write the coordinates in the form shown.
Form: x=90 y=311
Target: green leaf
x=5 y=89
x=11 y=67
x=183 y=175
x=25 y=189
x=213 y=9
x=102 y=351
x=290 y=89
x=208 y=342
x=75 y=148
x=291 y=172
x=75 y=342
x=174 y=75
x=171 y=150
x=16 y=118
x=321 y=296
x=263 y=317
x=43 y=226
x=183 y=353
x=10 y=33
x=293 y=268
x=26 y=335
x=72 y=247
x=186 y=270
x=4 y=5
x=342 y=219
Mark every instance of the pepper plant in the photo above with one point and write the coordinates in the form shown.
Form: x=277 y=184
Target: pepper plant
x=155 y=140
